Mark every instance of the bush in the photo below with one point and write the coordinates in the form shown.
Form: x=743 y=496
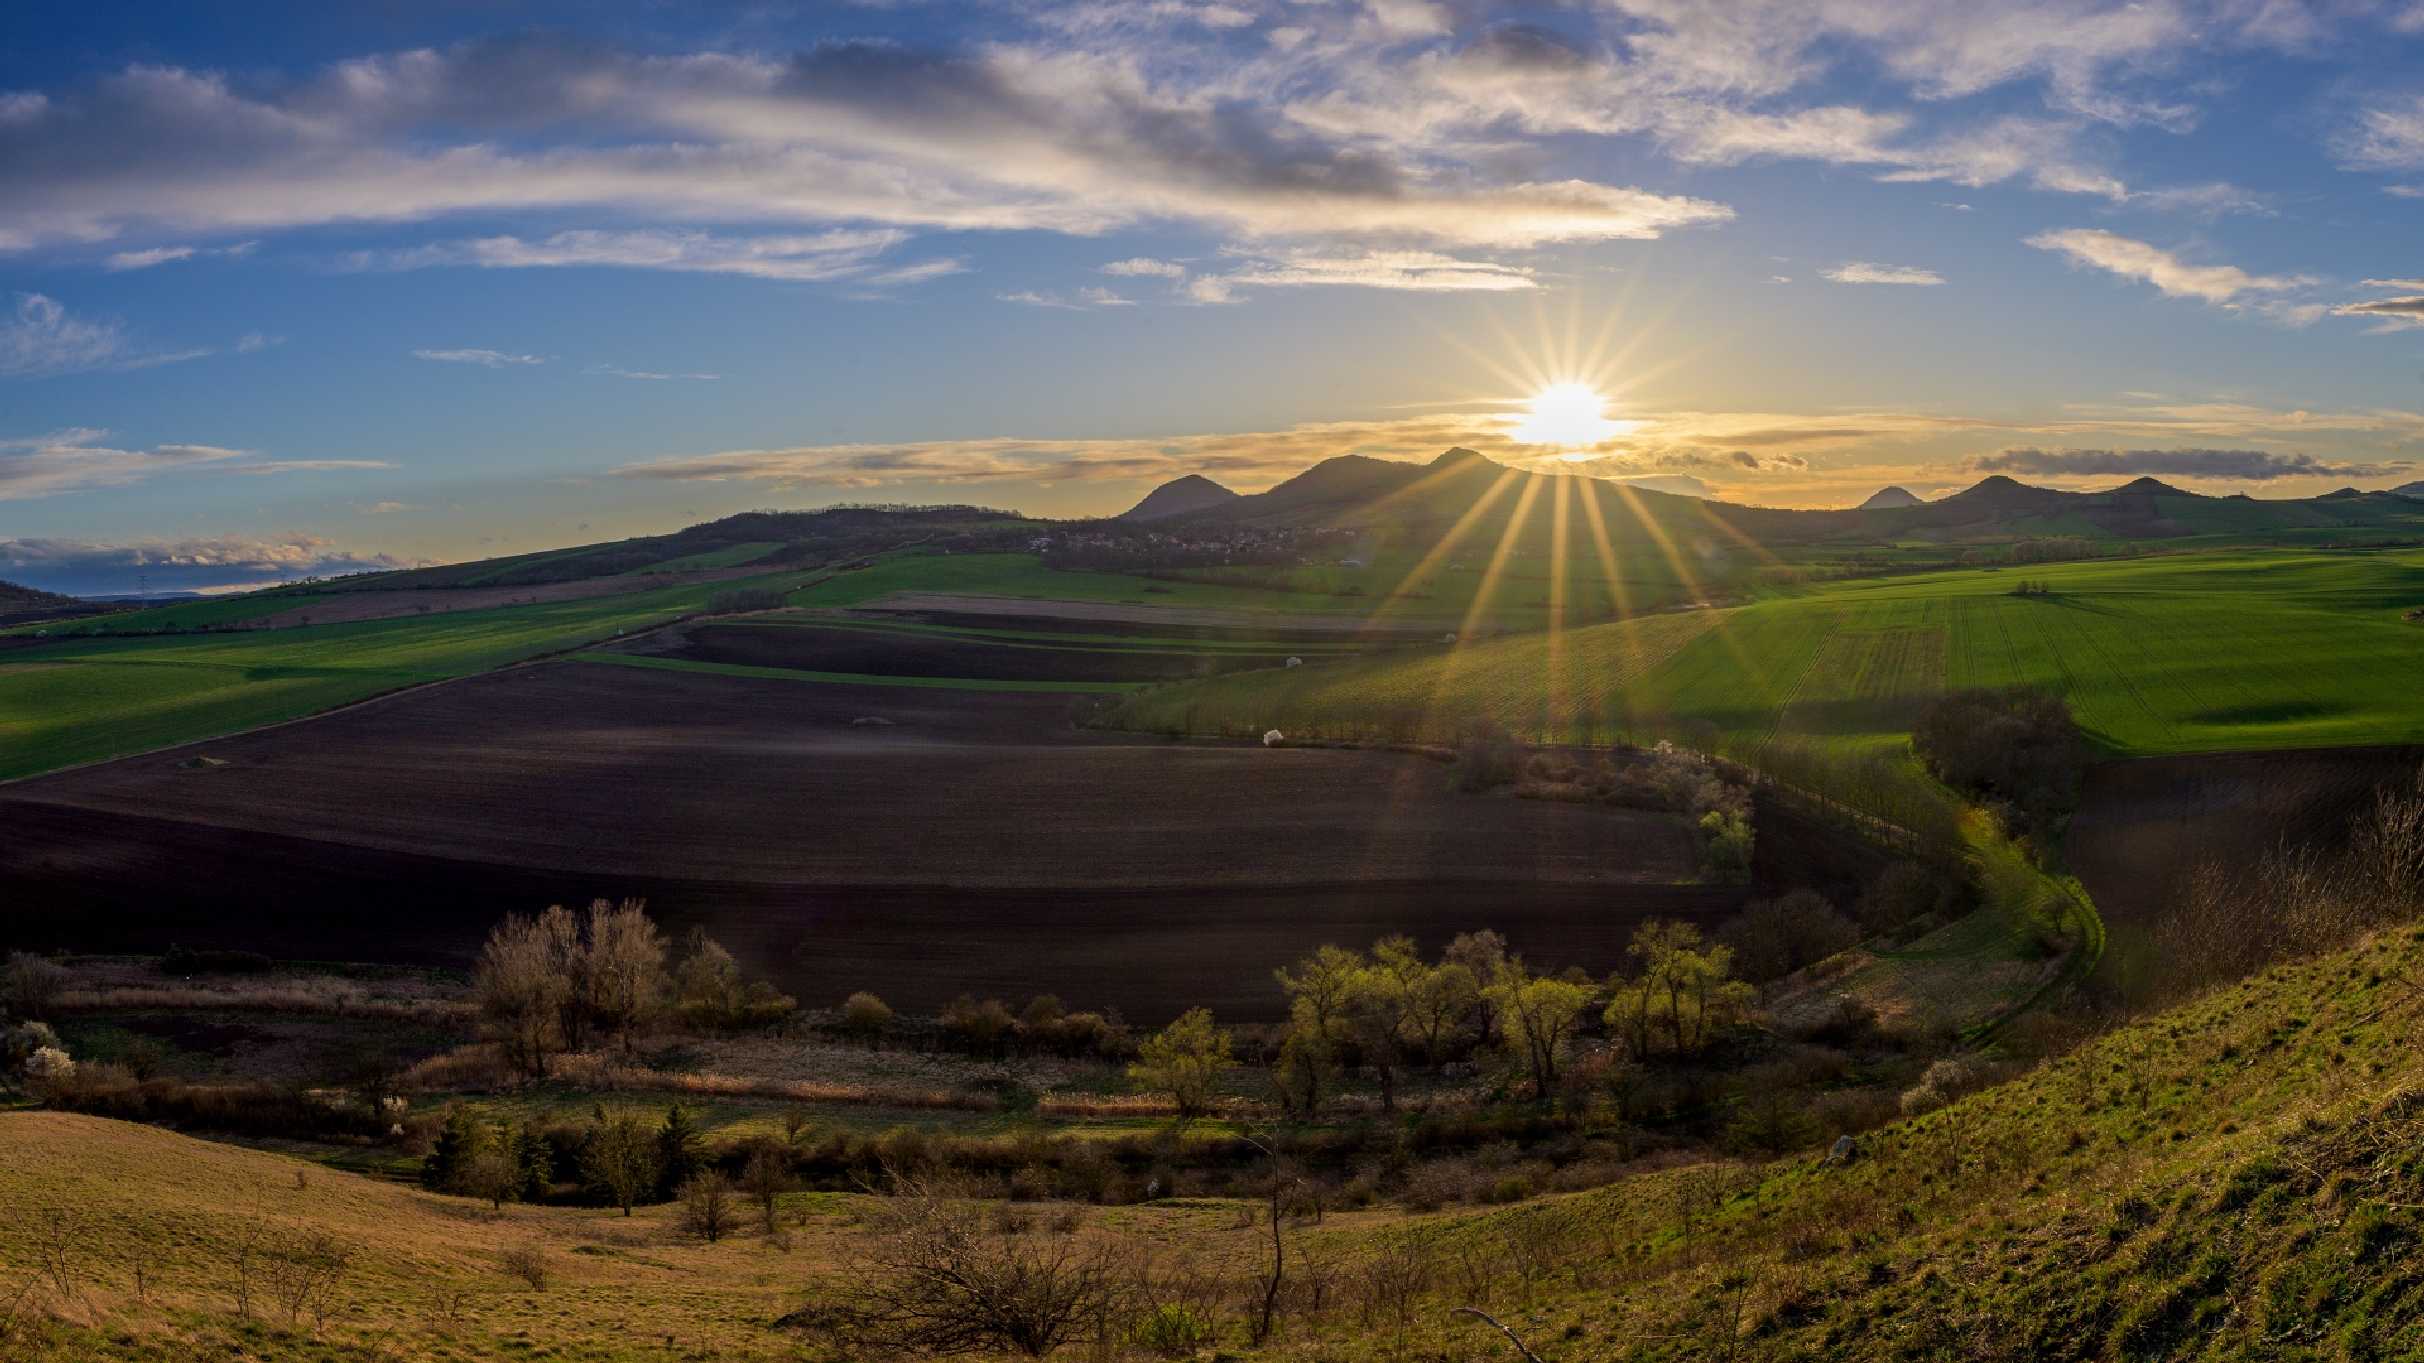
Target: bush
x=1905 y=892
x=19 y=1043
x=707 y=1210
x=865 y=1015
x=1487 y=758
x=1172 y=1331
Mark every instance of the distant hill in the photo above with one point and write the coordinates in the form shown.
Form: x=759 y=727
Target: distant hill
x=2415 y=489
x=1887 y=498
x=1359 y=492
x=16 y=598
x=1178 y=497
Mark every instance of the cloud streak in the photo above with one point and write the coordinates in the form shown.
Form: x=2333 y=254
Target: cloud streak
x=41 y=338
x=87 y=567
x=486 y=359
x=2243 y=466
x=1864 y=272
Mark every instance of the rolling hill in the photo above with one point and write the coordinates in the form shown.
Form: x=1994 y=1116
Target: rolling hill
x=2231 y=1179
x=1888 y=498
x=16 y=598
x=1179 y=497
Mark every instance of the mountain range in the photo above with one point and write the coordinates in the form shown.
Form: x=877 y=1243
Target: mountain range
x=1357 y=491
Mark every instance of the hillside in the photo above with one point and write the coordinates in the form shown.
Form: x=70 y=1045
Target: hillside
x=1179 y=497
x=16 y=598
x=1888 y=498
x=2232 y=1179
x=2156 y=655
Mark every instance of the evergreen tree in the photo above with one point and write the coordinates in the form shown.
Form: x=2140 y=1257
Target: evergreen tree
x=677 y=1150
x=459 y=1142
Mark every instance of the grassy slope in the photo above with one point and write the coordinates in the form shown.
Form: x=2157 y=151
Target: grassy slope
x=2235 y=1179
x=84 y=700
x=2273 y=649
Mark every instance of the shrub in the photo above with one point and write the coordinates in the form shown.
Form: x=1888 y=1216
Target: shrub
x=1725 y=847
x=865 y=1015
x=528 y=1263
x=19 y=1043
x=707 y=1206
x=1487 y=758
x=1171 y=1330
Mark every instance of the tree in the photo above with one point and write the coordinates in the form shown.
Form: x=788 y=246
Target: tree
x=766 y=1177
x=1185 y=1060
x=1308 y=1065
x=677 y=1152
x=1772 y=938
x=31 y=986
x=1318 y=987
x=494 y=1175
x=620 y=1159
x=1382 y=1007
x=626 y=979
x=460 y=1140
x=707 y=1206
x=707 y=984
x=522 y=991
x=1536 y=1017
x=1690 y=989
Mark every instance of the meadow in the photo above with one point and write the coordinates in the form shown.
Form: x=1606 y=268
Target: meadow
x=2220 y=1181
x=2194 y=653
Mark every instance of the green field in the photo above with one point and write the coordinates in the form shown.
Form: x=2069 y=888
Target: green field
x=2193 y=653
x=83 y=700
x=801 y=674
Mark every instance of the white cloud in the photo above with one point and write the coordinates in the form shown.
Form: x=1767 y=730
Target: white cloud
x=73 y=460
x=42 y=339
x=163 y=255
x=1865 y=272
x=144 y=260
x=840 y=254
x=254 y=342
x=2225 y=286
x=651 y=375
x=211 y=563
x=1024 y=137
x=490 y=359
x=1418 y=271
x=1144 y=265
x=2389 y=136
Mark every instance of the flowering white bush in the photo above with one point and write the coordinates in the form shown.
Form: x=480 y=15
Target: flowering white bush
x=49 y=1064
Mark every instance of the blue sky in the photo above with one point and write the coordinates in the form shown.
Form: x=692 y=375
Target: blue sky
x=297 y=288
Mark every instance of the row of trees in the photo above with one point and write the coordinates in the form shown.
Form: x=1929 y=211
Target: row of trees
x=1390 y=1011
x=566 y=982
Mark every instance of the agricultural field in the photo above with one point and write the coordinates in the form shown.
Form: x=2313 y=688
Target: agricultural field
x=921 y=840
x=70 y=701
x=2194 y=653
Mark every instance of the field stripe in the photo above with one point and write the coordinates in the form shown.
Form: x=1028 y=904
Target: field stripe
x=853 y=678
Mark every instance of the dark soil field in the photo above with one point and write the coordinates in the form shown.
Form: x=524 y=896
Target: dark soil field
x=904 y=654
x=2143 y=826
x=954 y=608
x=976 y=842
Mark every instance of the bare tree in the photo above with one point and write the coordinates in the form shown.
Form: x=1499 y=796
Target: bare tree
x=522 y=990
x=31 y=985
x=765 y=1178
x=626 y=979
x=940 y=1279
x=303 y=1277
x=707 y=1206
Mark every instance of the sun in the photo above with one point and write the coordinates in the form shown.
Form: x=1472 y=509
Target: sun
x=1572 y=416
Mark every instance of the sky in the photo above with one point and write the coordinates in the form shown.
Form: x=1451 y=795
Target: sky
x=288 y=289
